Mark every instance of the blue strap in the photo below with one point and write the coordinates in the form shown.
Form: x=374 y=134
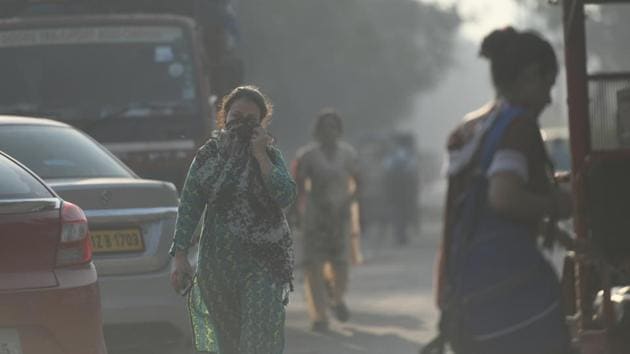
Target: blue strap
x=505 y=116
x=475 y=197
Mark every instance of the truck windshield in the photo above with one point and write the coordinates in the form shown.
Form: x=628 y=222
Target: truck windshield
x=97 y=72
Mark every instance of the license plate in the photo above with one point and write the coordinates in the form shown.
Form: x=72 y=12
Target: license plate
x=112 y=241
x=9 y=341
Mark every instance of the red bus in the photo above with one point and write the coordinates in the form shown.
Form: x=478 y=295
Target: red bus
x=599 y=126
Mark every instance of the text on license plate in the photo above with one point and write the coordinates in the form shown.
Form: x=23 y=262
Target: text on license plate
x=9 y=342
x=123 y=240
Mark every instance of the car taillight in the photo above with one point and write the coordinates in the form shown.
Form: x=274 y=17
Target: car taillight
x=75 y=246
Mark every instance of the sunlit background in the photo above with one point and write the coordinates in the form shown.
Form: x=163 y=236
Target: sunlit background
x=385 y=65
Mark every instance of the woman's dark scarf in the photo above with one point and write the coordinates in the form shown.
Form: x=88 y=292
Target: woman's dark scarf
x=239 y=196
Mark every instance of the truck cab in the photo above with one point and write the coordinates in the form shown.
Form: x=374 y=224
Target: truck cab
x=135 y=75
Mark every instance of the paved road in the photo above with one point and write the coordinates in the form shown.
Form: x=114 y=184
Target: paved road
x=390 y=297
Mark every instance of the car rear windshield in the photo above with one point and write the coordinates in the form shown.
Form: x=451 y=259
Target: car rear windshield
x=59 y=152
x=16 y=183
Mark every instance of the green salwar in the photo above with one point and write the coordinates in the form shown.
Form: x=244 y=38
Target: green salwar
x=236 y=307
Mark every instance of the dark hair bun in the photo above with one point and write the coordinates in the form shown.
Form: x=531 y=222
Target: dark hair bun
x=510 y=52
x=497 y=41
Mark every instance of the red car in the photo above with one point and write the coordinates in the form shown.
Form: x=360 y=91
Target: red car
x=49 y=297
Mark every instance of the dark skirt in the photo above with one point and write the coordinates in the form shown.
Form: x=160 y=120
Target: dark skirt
x=506 y=296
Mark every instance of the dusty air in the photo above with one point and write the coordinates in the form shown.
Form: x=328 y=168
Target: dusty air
x=329 y=177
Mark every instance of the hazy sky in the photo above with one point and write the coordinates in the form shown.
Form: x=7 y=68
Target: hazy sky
x=436 y=112
x=482 y=16
x=467 y=85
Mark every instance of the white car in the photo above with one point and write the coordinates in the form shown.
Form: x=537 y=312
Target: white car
x=131 y=221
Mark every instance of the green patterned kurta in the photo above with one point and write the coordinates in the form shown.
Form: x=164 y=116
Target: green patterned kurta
x=235 y=306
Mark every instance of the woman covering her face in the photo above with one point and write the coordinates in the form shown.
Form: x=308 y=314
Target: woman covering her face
x=244 y=272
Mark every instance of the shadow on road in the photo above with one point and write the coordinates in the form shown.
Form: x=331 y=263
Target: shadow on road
x=351 y=341
x=389 y=320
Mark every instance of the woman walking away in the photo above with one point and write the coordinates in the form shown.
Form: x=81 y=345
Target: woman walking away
x=497 y=293
x=327 y=178
x=245 y=261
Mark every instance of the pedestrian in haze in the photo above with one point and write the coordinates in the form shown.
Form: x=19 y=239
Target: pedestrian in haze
x=402 y=182
x=327 y=180
x=237 y=297
x=497 y=292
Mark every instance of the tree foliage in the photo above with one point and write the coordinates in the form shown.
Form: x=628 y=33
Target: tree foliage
x=366 y=58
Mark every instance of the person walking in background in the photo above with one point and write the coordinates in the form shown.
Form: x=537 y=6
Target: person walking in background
x=373 y=198
x=497 y=292
x=402 y=183
x=237 y=299
x=327 y=180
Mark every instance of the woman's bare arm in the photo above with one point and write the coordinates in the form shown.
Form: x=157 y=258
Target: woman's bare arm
x=508 y=196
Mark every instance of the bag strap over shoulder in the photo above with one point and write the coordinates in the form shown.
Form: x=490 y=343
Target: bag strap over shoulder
x=505 y=117
x=473 y=203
